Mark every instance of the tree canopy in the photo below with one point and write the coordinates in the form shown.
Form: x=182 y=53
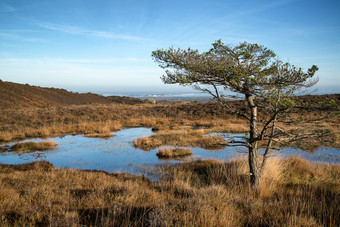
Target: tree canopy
x=248 y=69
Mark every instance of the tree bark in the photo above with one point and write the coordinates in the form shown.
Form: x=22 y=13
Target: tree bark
x=253 y=149
x=268 y=148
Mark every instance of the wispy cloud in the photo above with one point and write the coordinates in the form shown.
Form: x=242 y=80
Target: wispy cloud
x=234 y=26
x=270 y=5
x=78 y=71
x=121 y=65
x=311 y=31
x=102 y=61
x=11 y=36
x=87 y=32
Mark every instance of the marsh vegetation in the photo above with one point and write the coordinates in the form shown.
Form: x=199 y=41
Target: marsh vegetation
x=32 y=146
x=173 y=152
x=294 y=192
x=198 y=193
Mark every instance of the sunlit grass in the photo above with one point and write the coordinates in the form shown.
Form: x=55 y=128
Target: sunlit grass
x=164 y=117
x=188 y=137
x=173 y=152
x=33 y=146
x=293 y=192
x=99 y=135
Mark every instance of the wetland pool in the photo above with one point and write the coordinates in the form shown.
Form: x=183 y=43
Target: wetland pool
x=117 y=153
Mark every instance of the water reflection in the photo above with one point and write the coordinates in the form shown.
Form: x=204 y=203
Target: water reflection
x=117 y=154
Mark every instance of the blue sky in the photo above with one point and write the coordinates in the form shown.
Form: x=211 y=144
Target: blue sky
x=86 y=45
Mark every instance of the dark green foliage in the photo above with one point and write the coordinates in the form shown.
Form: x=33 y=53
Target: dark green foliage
x=246 y=68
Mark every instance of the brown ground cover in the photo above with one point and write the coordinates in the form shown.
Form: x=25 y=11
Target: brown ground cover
x=198 y=193
x=97 y=120
x=14 y=95
x=173 y=152
x=293 y=192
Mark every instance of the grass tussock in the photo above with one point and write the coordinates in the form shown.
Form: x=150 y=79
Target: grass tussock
x=212 y=142
x=173 y=152
x=33 y=146
x=194 y=138
x=104 y=132
x=293 y=192
x=99 y=135
x=147 y=143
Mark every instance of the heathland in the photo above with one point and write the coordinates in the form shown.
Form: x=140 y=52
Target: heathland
x=293 y=192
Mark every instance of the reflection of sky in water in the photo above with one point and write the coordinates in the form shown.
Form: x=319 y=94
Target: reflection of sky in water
x=117 y=153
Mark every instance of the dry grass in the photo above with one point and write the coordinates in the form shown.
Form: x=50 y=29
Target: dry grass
x=294 y=192
x=147 y=143
x=3 y=149
x=88 y=119
x=104 y=127
x=173 y=152
x=212 y=142
x=99 y=135
x=33 y=146
x=187 y=137
x=105 y=131
x=16 y=124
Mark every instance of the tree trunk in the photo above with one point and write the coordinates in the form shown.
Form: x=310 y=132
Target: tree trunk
x=268 y=148
x=253 y=150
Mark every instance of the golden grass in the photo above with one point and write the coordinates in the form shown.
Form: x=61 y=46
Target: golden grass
x=212 y=142
x=147 y=143
x=173 y=152
x=293 y=192
x=89 y=119
x=104 y=131
x=33 y=146
x=99 y=135
x=187 y=137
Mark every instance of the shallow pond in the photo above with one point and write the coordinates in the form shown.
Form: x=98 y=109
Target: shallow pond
x=117 y=153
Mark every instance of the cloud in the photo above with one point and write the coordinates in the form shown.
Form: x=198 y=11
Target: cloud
x=78 y=71
x=312 y=31
x=253 y=9
x=102 y=61
x=78 y=66
x=11 y=36
x=76 y=62
x=270 y=5
x=87 y=32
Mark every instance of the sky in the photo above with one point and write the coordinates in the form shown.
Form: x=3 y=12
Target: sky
x=86 y=45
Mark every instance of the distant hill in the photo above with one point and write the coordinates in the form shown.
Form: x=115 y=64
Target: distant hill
x=14 y=95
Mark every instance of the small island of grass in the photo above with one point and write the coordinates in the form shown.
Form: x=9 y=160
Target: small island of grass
x=173 y=152
x=99 y=135
x=27 y=147
x=188 y=137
